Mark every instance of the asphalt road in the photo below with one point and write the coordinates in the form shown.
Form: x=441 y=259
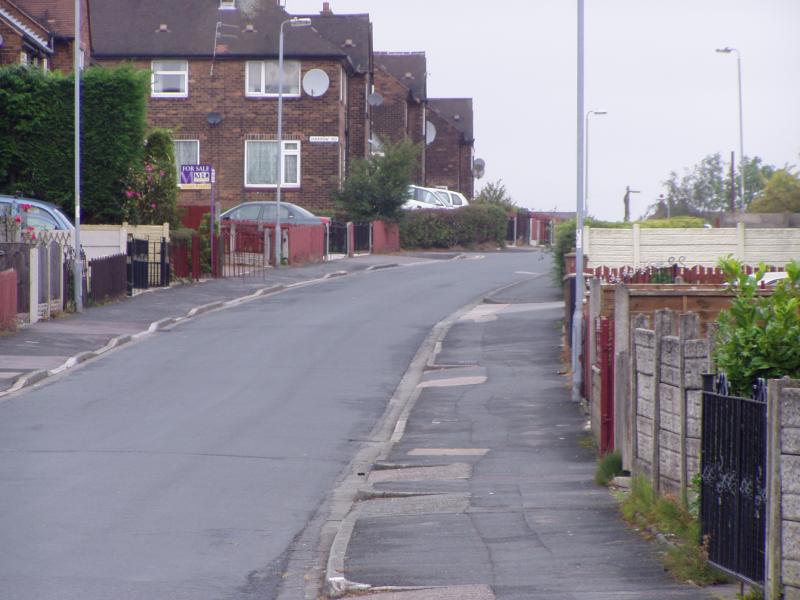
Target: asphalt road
x=183 y=467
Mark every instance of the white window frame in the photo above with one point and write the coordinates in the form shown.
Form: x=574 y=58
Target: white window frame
x=286 y=152
x=184 y=73
x=263 y=94
x=177 y=166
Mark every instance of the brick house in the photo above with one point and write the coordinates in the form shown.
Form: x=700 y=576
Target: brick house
x=401 y=80
x=448 y=158
x=41 y=33
x=214 y=69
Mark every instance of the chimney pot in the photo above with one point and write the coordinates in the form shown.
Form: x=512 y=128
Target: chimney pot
x=326 y=9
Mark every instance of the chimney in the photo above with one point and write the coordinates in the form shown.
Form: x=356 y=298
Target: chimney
x=326 y=9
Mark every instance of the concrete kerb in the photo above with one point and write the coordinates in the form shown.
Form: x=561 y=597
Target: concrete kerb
x=388 y=430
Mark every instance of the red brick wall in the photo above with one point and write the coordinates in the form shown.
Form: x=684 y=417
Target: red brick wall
x=448 y=160
x=8 y=299
x=247 y=118
x=385 y=237
x=357 y=118
x=466 y=179
x=12 y=45
x=390 y=119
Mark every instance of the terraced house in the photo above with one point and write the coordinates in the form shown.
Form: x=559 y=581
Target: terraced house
x=214 y=83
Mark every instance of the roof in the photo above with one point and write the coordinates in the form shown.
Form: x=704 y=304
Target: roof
x=56 y=15
x=351 y=33
x=186 y=28
x=409 y=68
x=457 y=112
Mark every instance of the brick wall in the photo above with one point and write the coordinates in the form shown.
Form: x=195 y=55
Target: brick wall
x=223 y=145
x=358 y=118
x=12 y=45
x=448 y=160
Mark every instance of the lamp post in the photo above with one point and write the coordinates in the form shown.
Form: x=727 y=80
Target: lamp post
x=76 y=67
x=586 y=160
x=729 y=50
x=577 y=316
x=293 y=22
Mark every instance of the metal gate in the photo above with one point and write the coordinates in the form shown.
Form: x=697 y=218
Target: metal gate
x=337 y=238
x=148 y=264
x=734 y=477
x=362 y=232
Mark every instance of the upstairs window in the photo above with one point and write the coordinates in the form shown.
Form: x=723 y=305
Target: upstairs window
x=261 y=78
x=170 y=78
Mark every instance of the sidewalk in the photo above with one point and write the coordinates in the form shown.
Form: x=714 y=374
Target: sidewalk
x=489 y=494
x=45 y=348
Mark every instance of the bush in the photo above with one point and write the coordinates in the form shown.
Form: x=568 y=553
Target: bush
x=151 y=194
x=759 y=335
x=466 y=227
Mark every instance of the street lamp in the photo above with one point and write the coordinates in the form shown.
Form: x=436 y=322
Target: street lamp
x=729 y=50
x=586 y=160
x=577 y=315
x=293 y=22
x=76 y=67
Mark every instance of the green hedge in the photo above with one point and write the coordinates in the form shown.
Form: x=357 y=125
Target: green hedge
x=36 y=136
x=466 y=227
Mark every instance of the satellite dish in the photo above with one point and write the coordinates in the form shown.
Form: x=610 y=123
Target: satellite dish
x=374 y=99
x=316 y=82
x=478 y=167
x=430 y=132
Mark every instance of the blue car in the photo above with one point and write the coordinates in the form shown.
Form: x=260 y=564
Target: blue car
x=40 y=215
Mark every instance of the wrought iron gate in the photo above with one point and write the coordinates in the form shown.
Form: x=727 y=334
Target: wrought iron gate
x=734 y=479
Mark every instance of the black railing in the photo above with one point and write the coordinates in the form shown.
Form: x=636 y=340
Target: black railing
x=362 y=232
x=337 y=238
x=734 y=477
x=148 y=264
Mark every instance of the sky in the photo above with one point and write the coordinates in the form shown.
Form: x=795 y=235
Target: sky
x=671 y=99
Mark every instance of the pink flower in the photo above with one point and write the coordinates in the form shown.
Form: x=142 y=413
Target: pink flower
x=148 y=167
x=18 y=219
x=153 y=206
x=130 y=193
x=161 y=173
x=25 y=207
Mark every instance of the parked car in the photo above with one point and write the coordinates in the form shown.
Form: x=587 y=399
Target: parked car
x=457 y=199
x=265 y=211
x=40 y=215
x=421 y=197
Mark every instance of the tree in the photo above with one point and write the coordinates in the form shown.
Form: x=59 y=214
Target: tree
x=706 y=187
x=781 y=194
x=378 y=186
x=494 y=192
x=151 y=194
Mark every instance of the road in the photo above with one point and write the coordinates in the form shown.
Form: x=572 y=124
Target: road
x=187 y=465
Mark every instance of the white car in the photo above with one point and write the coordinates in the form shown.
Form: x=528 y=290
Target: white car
x=457 y=199
x=420 y=197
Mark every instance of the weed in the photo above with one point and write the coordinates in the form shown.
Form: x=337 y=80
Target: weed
x=586 y=441
x=753 y=593
x=687 y=559
x=608 y=467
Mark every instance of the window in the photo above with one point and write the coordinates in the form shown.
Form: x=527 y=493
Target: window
x=261 y=78
x=246 y=212
x=187 y=152
x=227 y=4
x=261 y=163
x=170 y=78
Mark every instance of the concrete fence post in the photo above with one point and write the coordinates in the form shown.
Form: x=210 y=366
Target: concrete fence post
x=774 y=554
x=638 y=321
x=622 y=358
x=48 y=276
x=663 y=326
x=688 y=328
x=740 y=242
x=33 y=282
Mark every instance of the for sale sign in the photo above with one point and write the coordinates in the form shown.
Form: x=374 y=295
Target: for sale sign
x=196 y=177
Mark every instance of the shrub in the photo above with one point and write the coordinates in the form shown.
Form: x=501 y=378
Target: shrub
x=467 y=227
x=151 y=194
x=759 y=335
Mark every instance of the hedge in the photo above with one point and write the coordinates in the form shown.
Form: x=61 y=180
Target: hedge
x=36 y=136
x=466 y=227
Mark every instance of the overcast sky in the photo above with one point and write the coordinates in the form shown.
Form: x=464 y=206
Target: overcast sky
x=671 y=99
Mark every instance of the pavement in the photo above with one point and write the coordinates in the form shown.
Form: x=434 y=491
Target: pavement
x=47 y=348
x=485 y=492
